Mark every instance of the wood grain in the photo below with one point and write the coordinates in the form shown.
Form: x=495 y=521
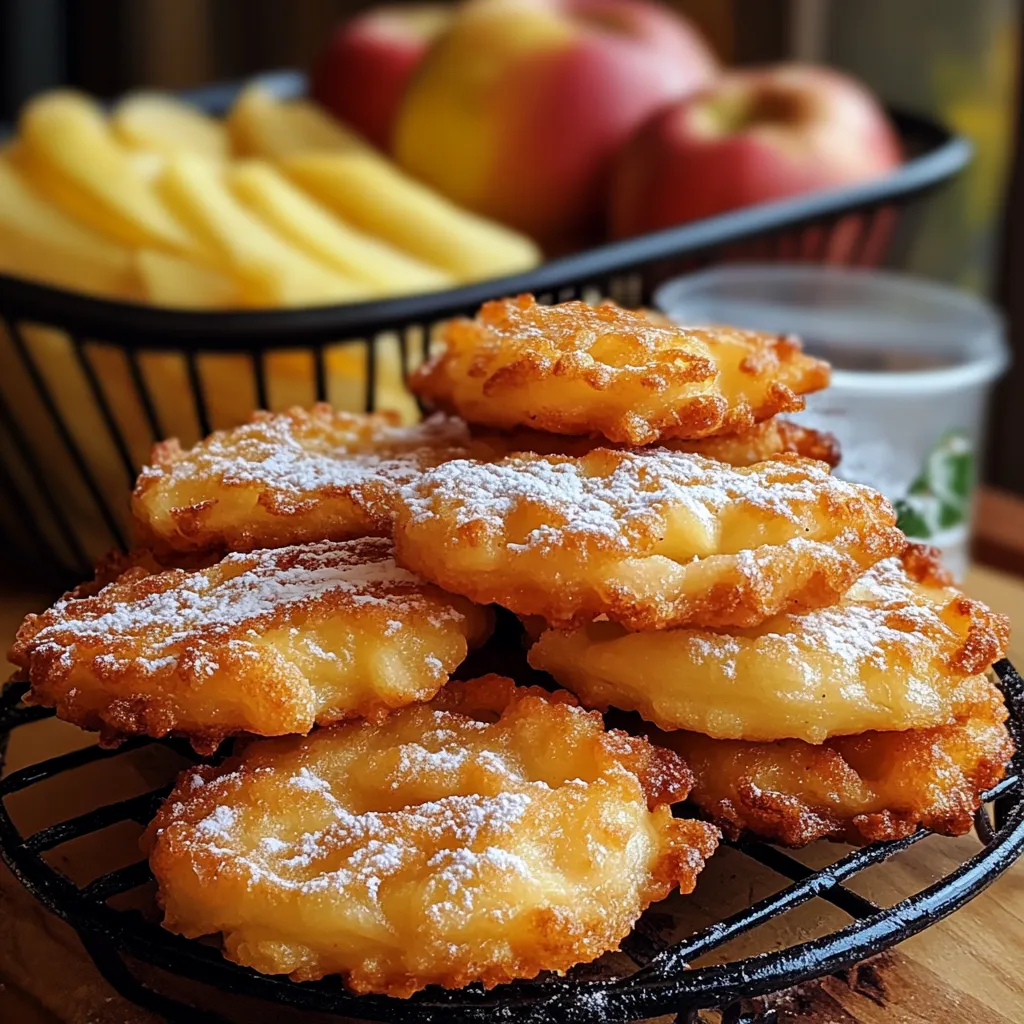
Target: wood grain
x=962 y=969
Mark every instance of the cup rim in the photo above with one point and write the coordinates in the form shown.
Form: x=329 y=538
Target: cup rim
x=975 y=370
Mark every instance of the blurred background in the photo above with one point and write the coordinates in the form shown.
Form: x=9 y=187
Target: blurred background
x=954 y=61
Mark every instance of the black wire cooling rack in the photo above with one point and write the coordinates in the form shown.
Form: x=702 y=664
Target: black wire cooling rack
x=660 y=981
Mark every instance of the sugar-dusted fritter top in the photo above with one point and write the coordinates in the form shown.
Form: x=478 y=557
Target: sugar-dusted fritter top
x=856 y=789
x=488 y=835
x=628 y=376
x=650 y=540
x=267 y=642
x=286 y=478
x=899 y=650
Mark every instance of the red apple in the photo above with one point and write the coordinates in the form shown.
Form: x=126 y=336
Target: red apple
x=750 y=137
x=517 y=110
x=366 y=67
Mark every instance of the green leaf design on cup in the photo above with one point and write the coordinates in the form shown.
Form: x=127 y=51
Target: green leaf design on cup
x=940 y=496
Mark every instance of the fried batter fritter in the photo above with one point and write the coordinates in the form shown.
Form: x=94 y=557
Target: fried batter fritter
x=858 y=789
x=432 y=848
x=893 y=654
x=631 y=377
x=286 y=478
x=650 y=540
x=269 y=642
x=762 y=441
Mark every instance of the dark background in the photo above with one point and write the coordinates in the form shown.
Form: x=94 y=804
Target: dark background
x=108 y=46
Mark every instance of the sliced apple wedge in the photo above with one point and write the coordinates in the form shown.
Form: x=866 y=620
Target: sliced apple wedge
x=345 y=173
x=155 y=122
x=40 y=242
x=314 y=229
x=73 y=158
x=168 y=280
x=262 y=125
x=272 y=271
x=373 y=195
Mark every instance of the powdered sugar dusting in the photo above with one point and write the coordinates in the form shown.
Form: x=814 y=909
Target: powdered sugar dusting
x=365 y=850
x=298 y=453
x=484 y=847
x=603 y=495
x=219 y=823
x=310 y=782
x=152 y=622
x=468 y=794
x=881 y=613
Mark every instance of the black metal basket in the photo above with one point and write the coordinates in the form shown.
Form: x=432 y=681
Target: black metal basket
x=87 y=385
x=656 y=979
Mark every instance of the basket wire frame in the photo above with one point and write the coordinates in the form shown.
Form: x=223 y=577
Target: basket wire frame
x=662 y=983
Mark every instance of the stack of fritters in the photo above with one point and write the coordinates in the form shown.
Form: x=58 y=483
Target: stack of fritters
x=420 y=842
x=561 y=380
x=402 y=830
x=819 y=674
x=862 y=720
x=316 y=577
x=285 y=478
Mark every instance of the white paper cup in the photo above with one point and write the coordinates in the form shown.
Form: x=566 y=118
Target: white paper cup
x=913 y=367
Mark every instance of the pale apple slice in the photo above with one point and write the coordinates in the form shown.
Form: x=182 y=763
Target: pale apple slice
x=315 y=230
x=272 y=271
x=369 y=191
x=72 y=156
x=376 y=197
x=38 y=241
x=148 y=165
x=262 y=125
x=155 y=122
x=172 y=281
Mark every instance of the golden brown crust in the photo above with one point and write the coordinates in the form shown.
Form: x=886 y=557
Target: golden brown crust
x=924 y=565
x=285 y=478
x=800 y=440
x=988 y=632
x=268 y=642
x=651 y=540
x=141 y=561
x=631 y=377
x=431 y=848
x=765 y=440
x=856 y=789
x=892 y=654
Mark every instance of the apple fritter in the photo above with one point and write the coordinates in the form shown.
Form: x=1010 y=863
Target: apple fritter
x=894 y=653
x=268 y=642
x=857 y=789
x=286 y=478
x=650 y=540
x=430 y=848
x=631 y=377
x=764 y=440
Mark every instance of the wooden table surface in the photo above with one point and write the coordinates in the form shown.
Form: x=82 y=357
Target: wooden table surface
x=967 y=968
